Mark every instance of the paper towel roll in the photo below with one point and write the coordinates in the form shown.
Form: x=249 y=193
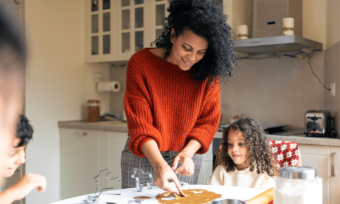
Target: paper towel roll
x=113 y=86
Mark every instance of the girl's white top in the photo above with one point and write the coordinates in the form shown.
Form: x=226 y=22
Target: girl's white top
x=243 y=178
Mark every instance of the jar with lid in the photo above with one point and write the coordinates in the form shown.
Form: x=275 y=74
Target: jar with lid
x=93 y=107
x=298 y=185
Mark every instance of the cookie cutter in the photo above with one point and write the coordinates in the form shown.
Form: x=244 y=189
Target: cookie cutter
x=95 y=197
x=139 y=186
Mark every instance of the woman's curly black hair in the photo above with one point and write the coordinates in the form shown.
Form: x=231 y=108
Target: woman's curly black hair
x=258 y=150
x=24 y=131
x=206 y=19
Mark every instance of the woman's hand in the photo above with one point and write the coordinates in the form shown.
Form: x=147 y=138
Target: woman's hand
x=185 y=157
x=187 y=167
x=163 y=175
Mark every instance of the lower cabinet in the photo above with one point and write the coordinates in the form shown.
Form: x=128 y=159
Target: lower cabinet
x=207 y=167
x=326 y=160
x=83 y=153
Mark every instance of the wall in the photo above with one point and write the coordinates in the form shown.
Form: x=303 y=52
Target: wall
x=314 y=14
x=332 y=75
x=118 y=73
x=274 y=90
x=333 y=27
x=58 y=83
x=332 y=62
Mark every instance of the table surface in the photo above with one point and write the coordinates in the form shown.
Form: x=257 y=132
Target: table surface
x=227 y=192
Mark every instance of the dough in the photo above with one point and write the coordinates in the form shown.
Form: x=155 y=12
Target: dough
x=191 y=196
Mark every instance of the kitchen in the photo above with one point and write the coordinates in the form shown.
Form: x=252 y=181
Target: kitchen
x=59 y=81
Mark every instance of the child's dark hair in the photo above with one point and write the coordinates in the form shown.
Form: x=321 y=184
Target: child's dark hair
x=206 y=19
x=24 y=131
x=258 y=149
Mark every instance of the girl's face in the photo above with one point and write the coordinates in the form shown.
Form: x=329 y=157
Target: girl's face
x=15 y=157
x=237 y=149
x=187 y=49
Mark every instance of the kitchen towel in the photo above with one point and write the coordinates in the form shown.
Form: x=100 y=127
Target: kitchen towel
x=113 y=86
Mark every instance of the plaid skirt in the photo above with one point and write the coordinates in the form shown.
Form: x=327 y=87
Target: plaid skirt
x=129 y=161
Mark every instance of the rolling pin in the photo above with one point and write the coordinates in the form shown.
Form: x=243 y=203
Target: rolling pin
x=263 y=198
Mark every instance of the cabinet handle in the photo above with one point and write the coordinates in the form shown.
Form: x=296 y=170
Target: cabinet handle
x=80 y=133
x=333 y=174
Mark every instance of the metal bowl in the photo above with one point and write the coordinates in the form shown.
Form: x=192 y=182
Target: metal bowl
x=229 y=201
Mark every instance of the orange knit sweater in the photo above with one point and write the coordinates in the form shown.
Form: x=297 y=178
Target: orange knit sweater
x=164 y=104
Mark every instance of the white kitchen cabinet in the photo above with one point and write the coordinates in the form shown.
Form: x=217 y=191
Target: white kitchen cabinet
x=83 y=153
x=116 y=29
x=207 y=166
x=323 y=158
x=100 y=35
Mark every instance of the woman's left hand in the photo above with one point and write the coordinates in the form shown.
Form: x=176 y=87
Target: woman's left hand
x=187 y=167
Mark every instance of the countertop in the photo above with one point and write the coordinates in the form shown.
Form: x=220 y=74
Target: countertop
x=301 y=139
x=115 y=126
x=119 y=126
x=233 y=192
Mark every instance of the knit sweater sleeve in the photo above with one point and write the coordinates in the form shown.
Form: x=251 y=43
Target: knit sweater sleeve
x=137 y=106
x=207 y=123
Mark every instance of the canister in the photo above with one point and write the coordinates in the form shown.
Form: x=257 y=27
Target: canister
x=93 y=107
x=298 y=185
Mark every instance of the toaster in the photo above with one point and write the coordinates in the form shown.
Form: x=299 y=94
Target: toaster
x=318 y=123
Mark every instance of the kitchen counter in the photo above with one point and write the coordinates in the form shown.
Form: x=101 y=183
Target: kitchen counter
x=301 y=139
x=115 y=126
x=119 y=126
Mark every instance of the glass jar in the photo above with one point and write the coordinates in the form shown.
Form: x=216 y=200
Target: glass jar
x=93 y=107
x=298 y=185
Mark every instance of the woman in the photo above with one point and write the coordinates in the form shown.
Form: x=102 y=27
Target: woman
x=172 y=99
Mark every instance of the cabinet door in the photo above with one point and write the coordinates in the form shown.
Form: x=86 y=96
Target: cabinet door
x=207 y=166
x=205 y=172
x=319 y=158
x=115 y=146
x=80 y=161
x=100 y=38
x=334 y=195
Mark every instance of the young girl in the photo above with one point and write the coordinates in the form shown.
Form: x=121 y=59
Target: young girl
x=246 y=157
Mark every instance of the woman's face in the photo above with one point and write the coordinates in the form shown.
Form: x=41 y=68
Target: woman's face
x=187 y=49
x=237 y=149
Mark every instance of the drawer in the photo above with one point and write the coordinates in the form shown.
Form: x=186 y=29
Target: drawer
x=314 y=149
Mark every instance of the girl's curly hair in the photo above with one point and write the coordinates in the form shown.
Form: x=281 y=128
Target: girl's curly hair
x=258 y=150
x=206 y=19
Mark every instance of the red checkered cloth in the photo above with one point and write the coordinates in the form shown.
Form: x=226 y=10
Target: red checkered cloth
x=285 y=153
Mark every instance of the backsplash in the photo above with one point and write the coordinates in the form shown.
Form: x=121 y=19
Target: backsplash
x=278 y=90
x=332 y=71
x=118 y=73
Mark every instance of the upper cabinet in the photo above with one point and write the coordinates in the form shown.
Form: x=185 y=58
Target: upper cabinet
x=116 y=29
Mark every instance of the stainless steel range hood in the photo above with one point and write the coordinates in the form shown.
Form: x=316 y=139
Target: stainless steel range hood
x=277 y=44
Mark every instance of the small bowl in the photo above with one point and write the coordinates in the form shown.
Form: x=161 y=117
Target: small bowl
x=229 y=201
